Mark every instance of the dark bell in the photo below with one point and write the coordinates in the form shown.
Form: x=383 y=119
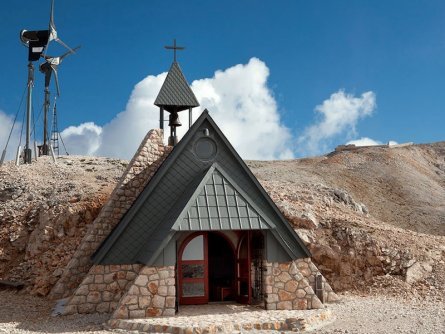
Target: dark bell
x=173 y=119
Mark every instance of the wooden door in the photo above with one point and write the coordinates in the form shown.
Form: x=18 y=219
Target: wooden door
x=243 y=284
x=193 y=270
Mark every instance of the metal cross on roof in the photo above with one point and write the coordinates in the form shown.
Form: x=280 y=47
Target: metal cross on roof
x=174 y=48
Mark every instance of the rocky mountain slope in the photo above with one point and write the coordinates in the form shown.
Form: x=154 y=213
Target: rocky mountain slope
x=373 y=218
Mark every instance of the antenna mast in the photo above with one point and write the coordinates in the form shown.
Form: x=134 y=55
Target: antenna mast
x=55 y=132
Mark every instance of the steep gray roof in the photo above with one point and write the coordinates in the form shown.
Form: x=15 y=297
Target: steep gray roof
x=219 y=204
x=170 y=201
x=175 y=93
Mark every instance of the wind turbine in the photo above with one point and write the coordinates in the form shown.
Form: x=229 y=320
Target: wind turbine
x=53 y=36
x=48 y=67
x=37 y=41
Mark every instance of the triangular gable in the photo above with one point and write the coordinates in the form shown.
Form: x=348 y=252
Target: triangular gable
x=219 y=204
x=149 y=221
x=175 y=91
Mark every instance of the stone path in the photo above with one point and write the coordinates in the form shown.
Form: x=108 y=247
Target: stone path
x=227 y=318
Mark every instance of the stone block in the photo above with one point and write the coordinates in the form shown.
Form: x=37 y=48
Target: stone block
x=152 y=312
x=271 y=298
x=144 y=301
x=103 y=307
x=121 y=275
x=293 y=268
x=131 y=275
x=291 y=286
x=121 y=313
x=153 y=288
x=86 y=308
x=131 y=299
x=162 y=291
x=309 y=290
x=107 y=296
x=158 y=302
x=306 y=272
x=94 y=297
x=170 y=281
x=300 y=293
x=133 y=307
x=114 y=287
x=284 y=266
x=302 y=265
x=122 y=283
x=134 y=290
x=285 y=305
x=303 y=284
x=98 y=279
x=284 y=295
x=316 y=303
x=271 y=306
x=153 y=277
x=142 y=280
x=171 y=290
x=170 y=302
x=97 y=269
x=109 y=278
x=300 y=304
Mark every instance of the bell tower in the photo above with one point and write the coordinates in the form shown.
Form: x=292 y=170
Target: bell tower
x=175 y=96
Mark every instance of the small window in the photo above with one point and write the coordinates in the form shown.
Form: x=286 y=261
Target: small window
x=194 y=249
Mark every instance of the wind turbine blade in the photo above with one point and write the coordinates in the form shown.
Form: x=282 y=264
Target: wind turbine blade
x=58 y=40
x=56 y=78
x=52 y=25
x=69 y=52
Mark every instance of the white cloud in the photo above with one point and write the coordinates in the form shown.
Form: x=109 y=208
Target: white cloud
x=244 y=107
x=238 y=98
x=338 y=115
x=84 y=139
x=364 y=141
x=6 y=122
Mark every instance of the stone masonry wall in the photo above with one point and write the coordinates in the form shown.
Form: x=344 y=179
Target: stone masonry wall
x=147 y=159
x=287 y=289
x=152 y=294
x=102 y=288
x=310 y=271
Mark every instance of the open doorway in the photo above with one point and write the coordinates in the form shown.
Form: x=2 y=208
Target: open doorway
x=221 y=268
x=212 y=269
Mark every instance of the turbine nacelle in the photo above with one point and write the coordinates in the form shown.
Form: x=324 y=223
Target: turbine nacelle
x=36 y=41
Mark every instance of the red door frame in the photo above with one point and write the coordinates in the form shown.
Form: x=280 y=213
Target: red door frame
x=243 y=273
x=201 y=299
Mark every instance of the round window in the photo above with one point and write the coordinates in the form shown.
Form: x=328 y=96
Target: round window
x=205 y=148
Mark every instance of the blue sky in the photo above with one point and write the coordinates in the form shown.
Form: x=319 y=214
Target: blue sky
x=311 y=49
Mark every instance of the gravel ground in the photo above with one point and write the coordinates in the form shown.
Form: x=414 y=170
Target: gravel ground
x=24 y=314
x=385 y=315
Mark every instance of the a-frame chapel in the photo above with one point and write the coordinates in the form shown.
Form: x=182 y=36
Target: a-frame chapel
x=188 y=224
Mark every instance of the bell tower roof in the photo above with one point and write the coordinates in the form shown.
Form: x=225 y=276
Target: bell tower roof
x=175 y=94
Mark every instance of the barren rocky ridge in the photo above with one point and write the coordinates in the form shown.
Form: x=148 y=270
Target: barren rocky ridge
x=373 y=218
